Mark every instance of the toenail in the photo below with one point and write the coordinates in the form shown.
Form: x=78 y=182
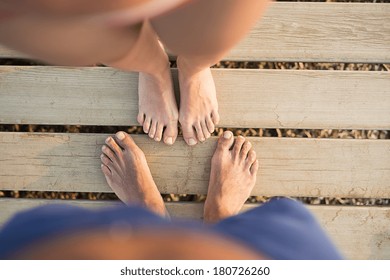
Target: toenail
x=191 y=141
x=157 y=139
x=120 y=135
x=202 y=139
x=169 y=141
x=104 y=148
x=227 y=134
x=108 y=140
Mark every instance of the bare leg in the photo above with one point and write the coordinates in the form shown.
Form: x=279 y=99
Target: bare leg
x=201 y=33
x=127 y=173
x=79 y=41
x=233 y=176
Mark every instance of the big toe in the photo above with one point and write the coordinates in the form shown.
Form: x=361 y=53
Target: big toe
x=189 y=135
x=226 y=140
x=170 y=133
x=124 y=140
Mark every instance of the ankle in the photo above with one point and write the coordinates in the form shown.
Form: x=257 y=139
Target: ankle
x=160 y=71
x=146 y=55
x=215 y=211
x=189 y=66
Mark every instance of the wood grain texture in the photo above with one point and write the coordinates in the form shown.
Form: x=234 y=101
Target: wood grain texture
x=319 y=32
x=247 y=98
x=360 y=232
x=314 y=32
x=288 y=166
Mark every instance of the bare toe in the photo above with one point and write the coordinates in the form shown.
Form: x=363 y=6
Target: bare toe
x=153 y=128
x=170 y=133
x=146 y=125
x=238 y=145
x=245 y=149
x=108 y=152
x=106 y=171
x=251 y=158
x=215 y=117
x=226 y=141
x=210 y=124
x=125 y=141
x=113 y=146
x=199 y=132
x=254 y=168
x=159 y=131
x=205 y=130
x=141 y=118
x=105 y=160
x=189 y=135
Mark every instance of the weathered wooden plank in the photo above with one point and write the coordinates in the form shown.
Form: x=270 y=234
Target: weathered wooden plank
x=289 y=166
x=331 y=32
x=247 y=98
x=319 y=32
x=359 y=232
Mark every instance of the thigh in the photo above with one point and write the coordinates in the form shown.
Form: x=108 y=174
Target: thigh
x=207 y=25
x=67 y=41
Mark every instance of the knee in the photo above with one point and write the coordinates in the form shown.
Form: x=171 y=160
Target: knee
x=73 y=43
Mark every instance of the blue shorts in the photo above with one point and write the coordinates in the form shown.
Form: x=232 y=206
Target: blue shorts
x=281 y=228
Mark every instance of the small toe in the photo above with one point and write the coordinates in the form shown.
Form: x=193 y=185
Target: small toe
x=159 y=132
x=245 y=149
x=210 y=125
x=215 y=117
x=170 y=133
x=141 y=118
x=251 y=158
x=110 y=142
x=205 y=130
x=238 y=145
x=255 y=166
x=146 y=125
x=226 y=140
x=108 y=152
x=105 y=160
x=153 y=128
x=199 y=132
x=106 y=171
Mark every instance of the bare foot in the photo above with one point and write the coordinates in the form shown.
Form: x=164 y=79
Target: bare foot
x=127 y=173
x=232 y=177
x=198 y=103
x=157 y=105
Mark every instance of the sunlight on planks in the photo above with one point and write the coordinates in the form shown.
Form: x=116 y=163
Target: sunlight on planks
x=288 y=166
x=247 y=98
